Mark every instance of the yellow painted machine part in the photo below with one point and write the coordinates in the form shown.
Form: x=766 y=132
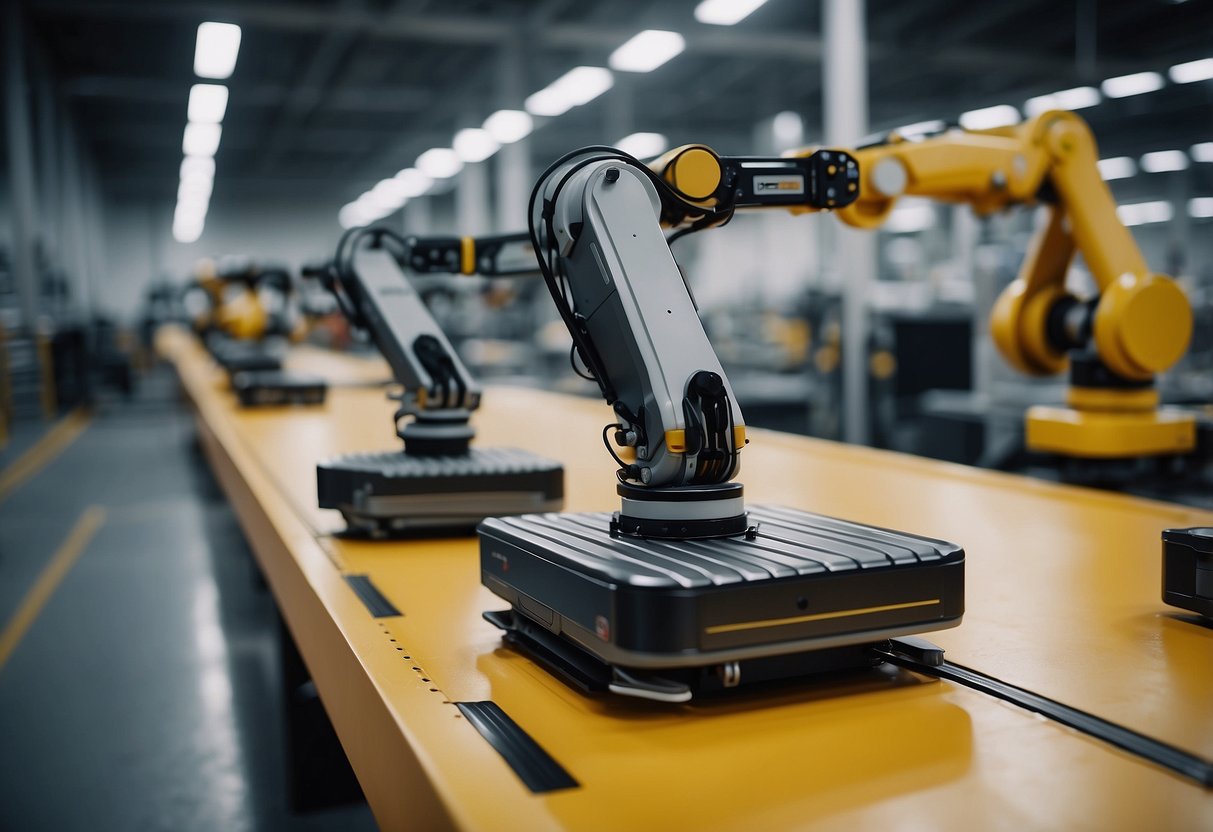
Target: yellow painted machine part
x=467 y=259
x=1112 y=400
x=242 y=316
x=1062 y=598
x=692 y=170
x=1143 y=322
x=1143 y=325
x=1100 y=434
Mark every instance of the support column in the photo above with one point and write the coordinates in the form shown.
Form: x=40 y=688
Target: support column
x=20 y=162
x=418 y=216
x=512 y=164
x=49 y=165
x=472 y=200
x=845 y=76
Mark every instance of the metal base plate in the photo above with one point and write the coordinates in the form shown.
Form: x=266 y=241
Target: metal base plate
x=795 y=582
x=271 y=388
x=582 y=670
x=393 y=492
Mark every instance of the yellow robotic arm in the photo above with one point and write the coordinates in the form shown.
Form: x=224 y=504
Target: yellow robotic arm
x=1137 y=326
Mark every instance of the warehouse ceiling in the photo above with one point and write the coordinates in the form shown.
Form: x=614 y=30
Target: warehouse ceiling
x=331 y=95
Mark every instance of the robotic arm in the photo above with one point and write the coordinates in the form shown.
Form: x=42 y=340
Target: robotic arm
x=596 y=218
x=369 y=279
x=1137 y=326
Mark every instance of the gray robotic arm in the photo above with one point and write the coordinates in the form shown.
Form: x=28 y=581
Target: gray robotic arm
x=372 y=288
x=596 y=219
x=640 y=331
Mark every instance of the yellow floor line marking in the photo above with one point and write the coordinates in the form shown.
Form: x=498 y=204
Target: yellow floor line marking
x=45 y=450
x=54 y=573
x=821 y=616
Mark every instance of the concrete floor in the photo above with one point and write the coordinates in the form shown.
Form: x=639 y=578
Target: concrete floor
x=145 y=695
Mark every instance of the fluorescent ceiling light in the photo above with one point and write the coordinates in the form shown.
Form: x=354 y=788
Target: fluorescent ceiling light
x=509 y=126
x=1192 y=71
x=192 y=166
x=1164 y=161
x=1202 y=152
x=371 y=208
x=413 y=182
x=201 y=139
x=547 y=102
x=1135 y=84
x=193 y=210
x=187 y=231
x=647 y=51
x=389 y=193
x=583 y=84
x=1078 y=98
x=216 y=49
x=1118 y=167
x=208 y=103
x=578 y=86
x=1201 y=207
x=352 y=215
x=1000 y=115
x=910 y=215
x=1142 y=213
x=921 y=128
x=473 y=144
x=439 y=163
x=643 y=145
x=194 y=189
x=726 y=12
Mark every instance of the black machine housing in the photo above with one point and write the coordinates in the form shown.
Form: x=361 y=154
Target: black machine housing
x=796 y=593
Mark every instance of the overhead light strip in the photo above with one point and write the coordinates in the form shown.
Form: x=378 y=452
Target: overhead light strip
x=215 y=50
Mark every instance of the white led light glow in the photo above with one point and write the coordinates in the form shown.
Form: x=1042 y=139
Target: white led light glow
x=1078 y=98
x=1200 y=207
x=439 y=163
x=474 y=144
x=509 y=126
x=207 y=104
x=1192 y=71
x=1202 y=152
x=726 y=12
x=1164 y=161
x=1144 y=213
x=413 y=182
x=216 y=49
x=647 y=51
x=1138 y=83
x=1000 y=115
x=643 y=145
x=201 y=139
x=1117 y=167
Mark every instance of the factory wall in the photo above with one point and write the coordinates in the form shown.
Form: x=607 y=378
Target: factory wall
x=142 y=251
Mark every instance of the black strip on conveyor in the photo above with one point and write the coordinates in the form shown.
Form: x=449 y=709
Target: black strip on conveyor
x=369 y=594
x=1184 y=763
x=534 y=766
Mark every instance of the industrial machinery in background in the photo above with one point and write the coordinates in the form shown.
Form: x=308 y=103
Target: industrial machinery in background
x=243 y=312
x=1114 y=343
x=686 y=589
x=440 y=481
